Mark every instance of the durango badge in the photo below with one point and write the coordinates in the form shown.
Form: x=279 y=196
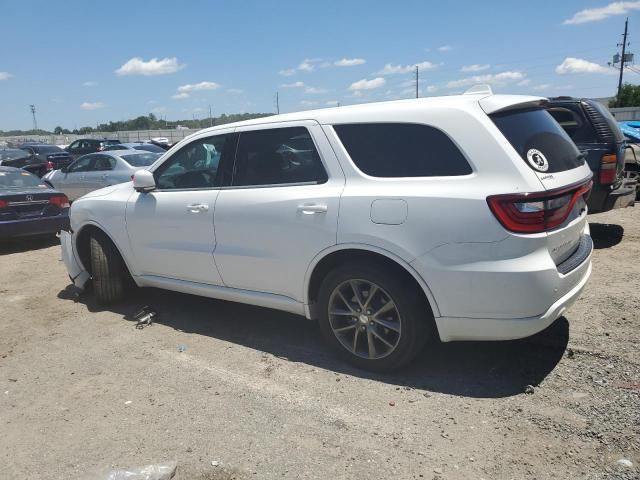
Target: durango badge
x=537 y=160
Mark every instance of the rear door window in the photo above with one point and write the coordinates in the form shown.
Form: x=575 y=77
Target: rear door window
x=539 y=140
x=402 y=150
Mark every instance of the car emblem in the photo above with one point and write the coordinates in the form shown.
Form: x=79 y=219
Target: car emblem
x=537 y=160
x=29 y=198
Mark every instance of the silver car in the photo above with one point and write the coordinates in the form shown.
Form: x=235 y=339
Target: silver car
x=98 y=170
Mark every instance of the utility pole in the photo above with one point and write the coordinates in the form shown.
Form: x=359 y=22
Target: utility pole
x=277 y=103
x=210 y=117
x=417 y=81
x=622 y=60
x=33 y=113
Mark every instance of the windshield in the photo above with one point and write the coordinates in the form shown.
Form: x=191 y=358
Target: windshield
x=13 y=154
x=19 y=179
x=533 y=132
x=141 y=159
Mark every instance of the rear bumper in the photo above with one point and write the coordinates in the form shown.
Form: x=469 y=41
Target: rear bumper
x=33 y=226
x=454 y=329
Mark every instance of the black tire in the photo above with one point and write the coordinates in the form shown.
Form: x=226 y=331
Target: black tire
x=417 y=324
x=107 y=269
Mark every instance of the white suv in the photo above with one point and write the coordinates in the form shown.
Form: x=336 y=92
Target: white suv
x=458 y=218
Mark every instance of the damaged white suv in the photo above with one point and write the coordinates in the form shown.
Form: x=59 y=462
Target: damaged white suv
x=458 y=218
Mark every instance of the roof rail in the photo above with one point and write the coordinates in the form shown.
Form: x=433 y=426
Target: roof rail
x=479 y=90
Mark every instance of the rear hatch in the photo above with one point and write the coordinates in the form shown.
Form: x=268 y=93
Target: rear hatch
x=558 y=209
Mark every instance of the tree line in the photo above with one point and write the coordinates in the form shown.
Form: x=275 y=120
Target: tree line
x=143 y=122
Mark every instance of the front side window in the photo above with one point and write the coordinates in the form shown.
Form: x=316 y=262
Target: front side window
x=81 y=165
x=277 y=156
x=392 y=150
x=193 y=166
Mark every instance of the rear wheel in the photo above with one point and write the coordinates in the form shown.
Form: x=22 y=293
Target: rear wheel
x=374 y=318
x=107 y=269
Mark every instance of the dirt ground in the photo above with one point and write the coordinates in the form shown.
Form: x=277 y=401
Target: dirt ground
x=82 y=390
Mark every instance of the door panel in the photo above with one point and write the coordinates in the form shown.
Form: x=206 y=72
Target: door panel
x=171 y=234
x=266 y=236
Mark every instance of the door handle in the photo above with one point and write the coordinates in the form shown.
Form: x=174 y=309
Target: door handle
x=197 y=208
x=310 y=209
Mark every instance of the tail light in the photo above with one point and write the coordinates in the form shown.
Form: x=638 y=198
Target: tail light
x=608 y=169
x=537 y=212
x=4 y=204
x=50 y=166
x=60 y=201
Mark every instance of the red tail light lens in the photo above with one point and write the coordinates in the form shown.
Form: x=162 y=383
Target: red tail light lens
x=537 y=212
x=49 y=166
x=61 y=201
x=4 y=204
x=608 y=169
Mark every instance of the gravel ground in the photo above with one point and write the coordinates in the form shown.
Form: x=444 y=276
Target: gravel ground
x=82 y=390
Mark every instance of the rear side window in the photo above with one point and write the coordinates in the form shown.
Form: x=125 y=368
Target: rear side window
x=534 y=131
x=575 y=123
x=402 y=150
x=277 y=156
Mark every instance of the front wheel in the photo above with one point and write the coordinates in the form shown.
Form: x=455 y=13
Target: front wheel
x=107 y=269
x=375 y=318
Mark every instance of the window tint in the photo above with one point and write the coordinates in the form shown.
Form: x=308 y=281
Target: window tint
x=75 y=145
x=193 y=166
x=401 y=150
x=81 y=165
x=13 y=154
x=149 y=148
x=536 y=129
x=102 y=162
x=277 y=156
x=575 y=123
x=19 y=179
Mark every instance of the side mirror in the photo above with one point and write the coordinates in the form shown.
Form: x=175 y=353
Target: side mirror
x=143 y=181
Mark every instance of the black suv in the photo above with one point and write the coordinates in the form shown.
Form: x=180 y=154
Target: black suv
x=596 y=133
x=18 y=158
x=55 y=157
x=88 y=145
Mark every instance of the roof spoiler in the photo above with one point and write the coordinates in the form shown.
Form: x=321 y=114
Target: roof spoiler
x=500 y=103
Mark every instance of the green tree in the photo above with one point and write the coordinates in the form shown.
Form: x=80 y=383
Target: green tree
x=629 y=96
x=58 y=130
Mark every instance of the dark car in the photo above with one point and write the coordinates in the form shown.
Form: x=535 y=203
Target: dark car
x=596 y=133
x=55 y=157
x=28 y=206
x=88 y=145
x=147 y=147
x=18 y=158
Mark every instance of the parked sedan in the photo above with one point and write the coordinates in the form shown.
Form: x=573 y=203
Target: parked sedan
x=98 y=170
x=145 y=147
x=28 y=206
x=85 y=146
x=15 y=157
x=54 y=156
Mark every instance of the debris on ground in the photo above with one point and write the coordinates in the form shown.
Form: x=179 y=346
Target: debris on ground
x=529 y=390
x=182 y=348
x=145 y=316
x=623 y=462
x=164 y=471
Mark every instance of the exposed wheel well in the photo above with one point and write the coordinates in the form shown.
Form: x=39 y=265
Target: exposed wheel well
x=83 y=246
x=367 y=257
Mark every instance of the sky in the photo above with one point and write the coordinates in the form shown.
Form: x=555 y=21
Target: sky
x=81 y=63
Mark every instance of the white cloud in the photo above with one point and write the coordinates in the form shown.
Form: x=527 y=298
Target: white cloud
x=475 y=68
x=180 y=96
x=160 y=110
x=523 y=83
x=544 y=86
x=5 y=76
x=293 y=85
x=90 y=83
x=92 y=105
x=198 y=109
x=308 y=103
x=579 y=65
x=234 y=90
x=445 y=48
x=197 y=87
x=315 y=91
x=349 y=62
x=601 y=13
x=137 y=66
x=497 y=78
x=365 y=84
x=308 y=64
x=288 y=72
x=431 y=88
x=333 y=103
x=390 y=69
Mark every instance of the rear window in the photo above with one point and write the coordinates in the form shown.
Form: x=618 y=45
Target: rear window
x=575 y=123
x=141 y=159
x=532 y=132
x=150 y=148
x=13 y=154
x=402 y=150
x=48 y=149
x=19 y=179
